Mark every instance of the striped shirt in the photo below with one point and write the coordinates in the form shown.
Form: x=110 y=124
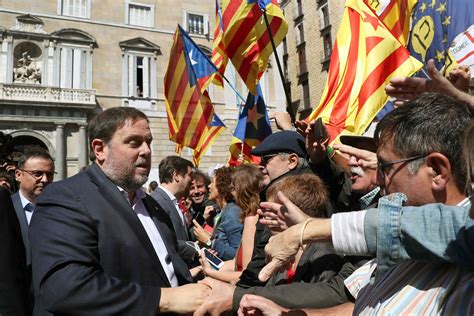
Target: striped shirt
x=413 y=288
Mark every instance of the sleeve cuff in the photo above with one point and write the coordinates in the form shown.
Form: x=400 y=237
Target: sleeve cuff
x=348 y=235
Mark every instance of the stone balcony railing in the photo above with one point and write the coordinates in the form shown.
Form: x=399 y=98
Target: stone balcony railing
x=24 y=92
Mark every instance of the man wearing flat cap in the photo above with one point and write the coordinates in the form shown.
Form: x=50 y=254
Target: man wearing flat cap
x=282 y=154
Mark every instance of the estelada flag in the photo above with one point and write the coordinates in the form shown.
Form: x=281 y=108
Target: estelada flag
x=190 y=111
x=396 y=14
x=364 y=59
x=252 y=128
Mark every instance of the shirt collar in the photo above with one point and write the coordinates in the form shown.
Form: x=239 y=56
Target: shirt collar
x=24 y=200
x=171 y=195
x=139 y=195
x=367 y=199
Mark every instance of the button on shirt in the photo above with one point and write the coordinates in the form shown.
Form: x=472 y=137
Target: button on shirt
x=27 y=206
x=153 y=234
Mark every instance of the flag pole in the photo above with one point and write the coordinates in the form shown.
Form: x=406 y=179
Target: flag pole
x=289 y=108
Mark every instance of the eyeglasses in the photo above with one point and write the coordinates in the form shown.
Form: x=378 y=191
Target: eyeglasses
x=38 y=175
x=382 y=168
x=264 y=160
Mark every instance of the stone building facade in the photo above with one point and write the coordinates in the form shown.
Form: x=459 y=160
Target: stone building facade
x=62 y=61
x=313 y=26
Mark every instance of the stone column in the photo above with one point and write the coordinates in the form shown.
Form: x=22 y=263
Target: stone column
x=83 y=147
x=60 y=153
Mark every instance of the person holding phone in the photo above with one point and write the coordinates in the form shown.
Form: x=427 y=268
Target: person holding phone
x=227 y=233
x=246 y=186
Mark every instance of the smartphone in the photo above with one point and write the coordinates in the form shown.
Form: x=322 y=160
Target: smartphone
x=318 y=130
x=214 y=261
x=200 y=219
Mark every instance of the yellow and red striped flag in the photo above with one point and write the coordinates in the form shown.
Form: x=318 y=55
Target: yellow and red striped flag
x=246 y=39
x=215 y=128
x=219 y=56
x=396 y=15
x=364 y=59
x=189 y=109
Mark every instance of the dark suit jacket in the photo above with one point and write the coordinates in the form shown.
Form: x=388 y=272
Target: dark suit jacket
x=20 y=213
x=13 y=272
x=91 y=254
x=187 y=253
x=315 y=282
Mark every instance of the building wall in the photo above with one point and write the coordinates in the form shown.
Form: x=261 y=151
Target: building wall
x=107 y=25
x=313 y=44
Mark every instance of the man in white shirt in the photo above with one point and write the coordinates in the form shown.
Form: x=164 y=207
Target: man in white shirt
x=175 y=180
x=100 y=245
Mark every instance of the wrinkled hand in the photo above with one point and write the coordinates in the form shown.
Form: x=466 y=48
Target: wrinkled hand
x=281 y=249
x=183 y=299
x=278 y=217
x=220 y=299
x=408 y=88
x=316 y=148
x=257 y=305
x=201 y=234
x=460 y=78
x=365 y=159
x=282 y=120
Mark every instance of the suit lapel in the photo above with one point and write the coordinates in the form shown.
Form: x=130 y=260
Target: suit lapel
x=109 y=191
x=165 y=228
x=170 y=209
x=20 y=213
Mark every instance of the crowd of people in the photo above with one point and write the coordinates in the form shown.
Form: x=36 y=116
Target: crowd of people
x=387 y=229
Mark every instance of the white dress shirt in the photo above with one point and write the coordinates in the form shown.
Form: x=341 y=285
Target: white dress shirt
x=153 y=234
x=28 y=207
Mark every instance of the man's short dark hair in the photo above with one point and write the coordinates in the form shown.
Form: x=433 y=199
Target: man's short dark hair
x=430 y=123
x=153 y=185
x=106 y=123
x=199 y=175
x=33 y=152
x=173 y=164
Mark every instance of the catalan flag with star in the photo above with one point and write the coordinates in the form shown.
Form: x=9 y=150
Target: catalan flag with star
x=252 y=128
x=188 y=106
x=396 y=15
x=246 y=39
x=365 y=57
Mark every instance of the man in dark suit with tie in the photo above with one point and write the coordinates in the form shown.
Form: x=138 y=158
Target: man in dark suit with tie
x=102 y=246
x=175 y=180
x=34 y=173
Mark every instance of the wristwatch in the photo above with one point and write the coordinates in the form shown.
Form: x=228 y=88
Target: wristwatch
x=209 y=243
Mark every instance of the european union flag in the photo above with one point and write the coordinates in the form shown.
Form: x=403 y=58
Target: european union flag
x=200 y=67
x=435 y=24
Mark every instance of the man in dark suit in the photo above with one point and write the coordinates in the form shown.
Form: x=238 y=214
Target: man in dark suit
x=175 y=179
x=13 y=272
x=100 y=245
x=34 y=173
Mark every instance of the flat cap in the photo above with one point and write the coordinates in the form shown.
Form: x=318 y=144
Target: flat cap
x=281 y=142
x=360 y=142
